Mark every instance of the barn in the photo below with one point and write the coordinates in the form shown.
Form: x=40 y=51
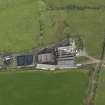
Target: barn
x=66 y=54
x=24 y=60
x=46 y=58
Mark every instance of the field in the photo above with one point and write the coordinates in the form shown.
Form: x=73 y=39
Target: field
x=100 y=96
x=88 y=23
x=43 y=88
x=19 y=26
x=19 y=23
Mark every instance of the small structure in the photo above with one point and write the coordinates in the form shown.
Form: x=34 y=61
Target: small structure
x=46 y=56
x=46 y=67
x=66 y=54
x=24 y=60
x=7 y=60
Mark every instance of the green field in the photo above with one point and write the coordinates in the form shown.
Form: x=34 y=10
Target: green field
x=20 y=31
x=100 y=96
x=19 y=23
x=43 y=88
x=89 y=24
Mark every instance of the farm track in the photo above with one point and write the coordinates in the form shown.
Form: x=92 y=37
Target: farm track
x=95 y=74
x=94 y=79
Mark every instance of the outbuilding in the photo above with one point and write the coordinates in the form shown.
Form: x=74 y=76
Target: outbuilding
x=46 y=58
x=24 y=60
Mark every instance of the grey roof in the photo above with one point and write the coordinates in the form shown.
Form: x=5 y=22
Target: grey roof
x=47 y=57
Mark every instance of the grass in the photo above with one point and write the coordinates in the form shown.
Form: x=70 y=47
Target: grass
x=43 y=88
x=81 y=59
x=19 y=26
x=100 y=96
x=88 y=24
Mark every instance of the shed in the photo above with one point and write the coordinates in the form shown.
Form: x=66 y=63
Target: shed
x=7 y=60
x=46 y=58
x=24 y=60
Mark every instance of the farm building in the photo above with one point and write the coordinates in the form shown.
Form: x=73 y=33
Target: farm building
x=66 y=54
x=61 y=55
x=7 y=60
x=46 y=58
x=24 y=60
